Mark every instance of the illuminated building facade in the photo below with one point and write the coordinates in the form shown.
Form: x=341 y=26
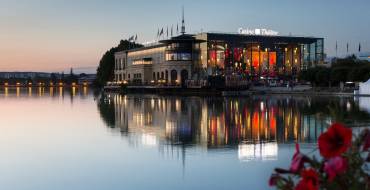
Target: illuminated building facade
x=260 y=55
x=195 y=57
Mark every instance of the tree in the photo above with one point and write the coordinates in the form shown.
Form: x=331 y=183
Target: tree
x=309 y=75
x=53 y=78
x=105 y=71
x=339 y=74
x=322 y=76
x=359 y=74
x=62 y=78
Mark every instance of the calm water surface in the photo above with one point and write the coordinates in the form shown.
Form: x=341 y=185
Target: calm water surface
x=74 y=139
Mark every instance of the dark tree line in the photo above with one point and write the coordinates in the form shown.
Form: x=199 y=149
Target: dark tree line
x=342 y=70
x=105 y=71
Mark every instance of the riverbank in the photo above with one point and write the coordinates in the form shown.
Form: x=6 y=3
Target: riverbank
x=256 y=90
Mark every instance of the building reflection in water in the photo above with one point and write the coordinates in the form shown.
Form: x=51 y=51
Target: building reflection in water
x=255 y=126
x=259 y=151
x=216 y=122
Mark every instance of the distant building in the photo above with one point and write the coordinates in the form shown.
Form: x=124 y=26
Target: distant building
x=87 y=79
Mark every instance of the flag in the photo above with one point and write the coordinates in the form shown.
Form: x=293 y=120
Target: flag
x=359 y=47
x=136 y=38
x=161 y=33
x=171 y=30
x=167 y=31
x=158 y=33
x=177 y=28
x=347 y=47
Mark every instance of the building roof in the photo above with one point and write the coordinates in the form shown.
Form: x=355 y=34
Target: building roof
x=182 y=38
x=240 y=38
x=142 y=48
x=233 y=37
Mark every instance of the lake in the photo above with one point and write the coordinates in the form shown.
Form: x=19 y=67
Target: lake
x=75 y=139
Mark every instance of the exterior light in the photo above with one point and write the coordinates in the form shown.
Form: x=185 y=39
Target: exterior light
x=73 y=84
x=18 y=84
x=125 y=82
x=286 y=49
x=30 y=84
x=152 y=81
x=177 y=81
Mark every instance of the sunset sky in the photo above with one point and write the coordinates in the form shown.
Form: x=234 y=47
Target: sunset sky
x=55 y=35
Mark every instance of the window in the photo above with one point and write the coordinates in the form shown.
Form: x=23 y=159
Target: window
x=178 y=56
x=142 y=61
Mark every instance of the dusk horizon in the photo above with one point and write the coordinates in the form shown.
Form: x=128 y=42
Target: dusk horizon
x=56 y=35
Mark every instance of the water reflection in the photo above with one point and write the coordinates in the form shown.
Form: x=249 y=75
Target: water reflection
x=252 y=125
x=21 y=92
x=176 y=142
x=265 y=151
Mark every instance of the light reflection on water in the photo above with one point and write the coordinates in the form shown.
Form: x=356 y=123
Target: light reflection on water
x=111 y=141
x=220 y=122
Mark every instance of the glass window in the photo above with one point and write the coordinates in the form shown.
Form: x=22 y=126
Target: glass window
x=178 y=56
x=185 y=56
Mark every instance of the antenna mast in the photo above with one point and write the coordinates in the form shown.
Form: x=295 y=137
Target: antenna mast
x=183 y=22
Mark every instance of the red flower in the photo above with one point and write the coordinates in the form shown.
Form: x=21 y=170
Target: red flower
x=298 y=160
x=309 y=181
x=335 y=166
x=335 y=141
x=273 y=179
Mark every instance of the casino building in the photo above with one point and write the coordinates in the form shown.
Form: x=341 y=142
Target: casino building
x=186 y=57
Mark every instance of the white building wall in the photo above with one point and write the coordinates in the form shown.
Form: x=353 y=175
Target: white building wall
x=126 y=69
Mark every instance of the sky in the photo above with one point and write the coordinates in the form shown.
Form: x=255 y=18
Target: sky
x=55 y=35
